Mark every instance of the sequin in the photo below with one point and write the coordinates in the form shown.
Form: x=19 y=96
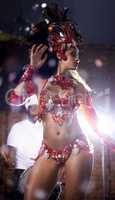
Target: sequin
x=61 y=155
x=62 y=104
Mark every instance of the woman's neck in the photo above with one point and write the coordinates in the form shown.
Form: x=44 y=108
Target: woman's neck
x=60 y=69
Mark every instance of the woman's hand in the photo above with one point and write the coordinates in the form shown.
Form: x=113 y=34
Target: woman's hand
x=36 y=56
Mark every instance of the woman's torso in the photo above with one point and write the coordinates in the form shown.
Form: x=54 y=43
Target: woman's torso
x=58 y=106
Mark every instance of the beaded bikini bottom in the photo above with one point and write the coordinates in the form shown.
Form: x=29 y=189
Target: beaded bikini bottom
x=61 y=155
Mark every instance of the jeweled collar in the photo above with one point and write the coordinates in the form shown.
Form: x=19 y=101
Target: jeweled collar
x=63 y=81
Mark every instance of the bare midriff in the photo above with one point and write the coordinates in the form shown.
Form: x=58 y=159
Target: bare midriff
x=58 y=136
x=59 y=107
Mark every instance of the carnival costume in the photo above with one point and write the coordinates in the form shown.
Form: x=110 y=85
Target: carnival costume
x=59 y=33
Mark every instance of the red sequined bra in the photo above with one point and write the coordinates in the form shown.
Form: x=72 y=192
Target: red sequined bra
x=60 y=104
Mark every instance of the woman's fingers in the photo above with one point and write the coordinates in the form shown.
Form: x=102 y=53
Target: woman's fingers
x=44 y=59
x=33 y=49
x=38 y=55
x=38 y=48
x=41 y=51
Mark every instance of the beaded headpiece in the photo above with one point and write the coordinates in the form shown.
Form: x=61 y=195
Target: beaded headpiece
x=55 y=30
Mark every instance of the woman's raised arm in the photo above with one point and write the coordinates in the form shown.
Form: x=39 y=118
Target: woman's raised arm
x=26 y=87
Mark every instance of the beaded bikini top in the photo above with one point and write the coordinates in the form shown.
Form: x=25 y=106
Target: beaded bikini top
x=61 y=102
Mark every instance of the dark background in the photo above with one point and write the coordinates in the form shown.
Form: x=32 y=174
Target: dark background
x=96 y=23
x=95 y=17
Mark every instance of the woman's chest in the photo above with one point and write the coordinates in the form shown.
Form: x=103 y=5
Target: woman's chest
x=57 y=97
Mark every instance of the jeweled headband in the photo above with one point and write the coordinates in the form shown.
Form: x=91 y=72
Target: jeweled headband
x=56 y=30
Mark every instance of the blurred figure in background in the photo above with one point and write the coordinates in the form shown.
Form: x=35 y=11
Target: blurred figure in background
x=21 y=150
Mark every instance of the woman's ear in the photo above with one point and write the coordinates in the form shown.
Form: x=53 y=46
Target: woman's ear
x=61 y=56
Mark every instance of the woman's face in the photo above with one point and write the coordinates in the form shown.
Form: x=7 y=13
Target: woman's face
x=72 y=58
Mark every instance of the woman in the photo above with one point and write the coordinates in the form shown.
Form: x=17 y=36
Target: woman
x=59 y=97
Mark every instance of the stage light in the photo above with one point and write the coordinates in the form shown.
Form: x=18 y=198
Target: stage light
x=106 y=124
x=98 y=62
x=42 y=194
x=86 y=128
x=47 y=21
x=27 y=29
x=11 y=76
x=35 y=6
x=43 y=5
x=61 y=34
x=52 y=62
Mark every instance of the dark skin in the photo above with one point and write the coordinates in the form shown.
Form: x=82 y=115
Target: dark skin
x=33 y=113
x=77 y=167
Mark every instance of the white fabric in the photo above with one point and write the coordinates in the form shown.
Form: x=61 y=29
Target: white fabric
x=32 y=100
x=27 y=138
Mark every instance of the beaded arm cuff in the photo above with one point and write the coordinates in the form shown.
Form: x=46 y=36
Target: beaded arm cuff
x=15 y=100
x=27 y=74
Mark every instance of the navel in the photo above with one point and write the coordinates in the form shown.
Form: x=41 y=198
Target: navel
x=58 y=133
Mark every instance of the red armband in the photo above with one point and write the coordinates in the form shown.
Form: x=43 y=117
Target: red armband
x=13 y=99
x=30 y=88
x=27 y=74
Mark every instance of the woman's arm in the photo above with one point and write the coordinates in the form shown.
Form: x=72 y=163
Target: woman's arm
x=26 y=87
x=90 y=115
x=86 y=107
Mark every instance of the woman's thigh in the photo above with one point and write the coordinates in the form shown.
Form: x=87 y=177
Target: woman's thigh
x=42 y=179
x=78 y=170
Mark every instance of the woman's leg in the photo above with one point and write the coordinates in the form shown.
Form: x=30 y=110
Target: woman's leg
x=42 y=179
x=78 y=170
